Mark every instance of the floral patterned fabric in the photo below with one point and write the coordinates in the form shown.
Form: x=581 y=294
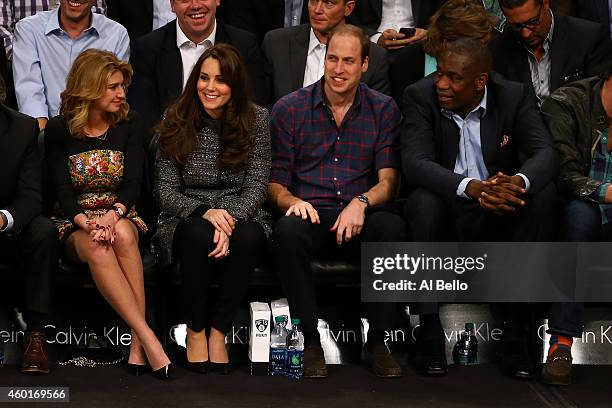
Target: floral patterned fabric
x=95 y=176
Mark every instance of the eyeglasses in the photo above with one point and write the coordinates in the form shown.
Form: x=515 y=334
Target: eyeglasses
x=326 y=3
x=529 y=24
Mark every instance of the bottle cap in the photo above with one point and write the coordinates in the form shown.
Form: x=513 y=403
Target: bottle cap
x=295 y=321
x=469 y=326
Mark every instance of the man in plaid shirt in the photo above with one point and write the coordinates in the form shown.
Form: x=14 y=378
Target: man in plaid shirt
x=11 y=11
x=334 y=166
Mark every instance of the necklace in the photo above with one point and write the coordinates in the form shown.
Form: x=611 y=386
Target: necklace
x=101 y=138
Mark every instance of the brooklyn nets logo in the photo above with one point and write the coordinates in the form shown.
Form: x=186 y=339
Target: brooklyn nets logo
x=261 y=324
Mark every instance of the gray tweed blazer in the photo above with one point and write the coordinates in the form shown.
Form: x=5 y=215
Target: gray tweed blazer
x=180 y=191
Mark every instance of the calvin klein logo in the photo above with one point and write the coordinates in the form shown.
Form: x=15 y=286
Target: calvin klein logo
x=261 y=324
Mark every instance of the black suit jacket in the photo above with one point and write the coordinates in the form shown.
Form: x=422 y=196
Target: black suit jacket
x=286 y=50
x=368 y=13
x=20 y=184
x=257 y=16
x=430 y=140
x=158 y=69
x=135 y=15
x=597 y=11
x=579 y=49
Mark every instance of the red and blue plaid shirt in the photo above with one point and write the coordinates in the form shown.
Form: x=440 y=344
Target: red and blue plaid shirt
x=325 y=164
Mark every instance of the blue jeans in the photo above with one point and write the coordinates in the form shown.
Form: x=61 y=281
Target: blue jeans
x=580 y=222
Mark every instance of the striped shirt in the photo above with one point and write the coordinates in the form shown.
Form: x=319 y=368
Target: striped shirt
x=325 y=164
x=11 y=11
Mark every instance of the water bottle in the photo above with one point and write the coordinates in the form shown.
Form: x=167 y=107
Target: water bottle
x=278 y=347
x=466 y=348
x=295 y=355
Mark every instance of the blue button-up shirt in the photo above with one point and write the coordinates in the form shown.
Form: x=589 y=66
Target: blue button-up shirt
x=43 y=54
x=470 y=162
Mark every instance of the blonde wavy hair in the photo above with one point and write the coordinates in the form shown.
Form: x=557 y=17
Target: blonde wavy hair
x=87 y=81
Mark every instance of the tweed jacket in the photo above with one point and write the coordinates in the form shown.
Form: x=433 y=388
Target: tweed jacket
x=182 y=191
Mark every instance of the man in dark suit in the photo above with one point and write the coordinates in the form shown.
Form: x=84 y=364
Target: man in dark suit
x=546 y=50
x=260 y=16
x=369 y=14
x=296 y=54
x=161 y=66
x=479 y=155
x=27 y=239
x=598 y=11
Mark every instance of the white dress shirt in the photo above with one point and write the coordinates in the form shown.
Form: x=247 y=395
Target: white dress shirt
x=315 y=60
x=190 y=51
x=162 y=13
x=396 y=14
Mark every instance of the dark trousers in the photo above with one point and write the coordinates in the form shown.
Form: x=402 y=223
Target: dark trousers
x=580 y=221
x=35 y=251
x=193 y=241
x=432 y=218
x=295 y=242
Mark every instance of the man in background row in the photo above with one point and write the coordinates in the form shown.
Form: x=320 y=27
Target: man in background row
x=163 y=59
x=140 y=17
x=296 y=55
x=46 y=44
x=545 y=50
x=11 y=11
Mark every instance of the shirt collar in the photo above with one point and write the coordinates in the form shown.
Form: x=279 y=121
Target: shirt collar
x=54 y=25
x=313 y=43
x=182 y=39
x=482 y=106
x=317 y=94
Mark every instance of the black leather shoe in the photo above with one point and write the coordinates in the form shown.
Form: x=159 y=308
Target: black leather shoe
x=221 y=368
x=138 y=369
x=429 y=357
x=163 y=373
x=381 y=361
x=35 y=358
x=516 y=360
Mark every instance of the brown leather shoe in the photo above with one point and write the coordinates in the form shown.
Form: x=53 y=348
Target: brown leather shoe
x=35 y=360
x=314 y=362
x=381 y=361
x=558 y=367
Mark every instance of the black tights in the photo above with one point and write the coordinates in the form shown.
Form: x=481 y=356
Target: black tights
x=193 y=242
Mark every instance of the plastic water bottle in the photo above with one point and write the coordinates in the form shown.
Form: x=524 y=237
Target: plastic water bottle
x=295 y=355
x=466 y=348
x=278 y=347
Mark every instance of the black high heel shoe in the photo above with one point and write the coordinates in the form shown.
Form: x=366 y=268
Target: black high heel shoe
x=221 y=368
x=200 y=367
x=163 y=373
x=138 y=369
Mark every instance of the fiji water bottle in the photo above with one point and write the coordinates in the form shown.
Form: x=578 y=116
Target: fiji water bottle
x=466 y=348
x=295 y=355
x=278 y=347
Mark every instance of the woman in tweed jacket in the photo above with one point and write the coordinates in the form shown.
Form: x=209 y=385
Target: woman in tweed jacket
x=212 y=172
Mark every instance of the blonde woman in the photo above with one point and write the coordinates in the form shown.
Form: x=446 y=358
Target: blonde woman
x=95 y=153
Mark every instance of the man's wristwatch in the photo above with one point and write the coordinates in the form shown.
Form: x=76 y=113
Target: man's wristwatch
x=364 y=199
x=120 y=213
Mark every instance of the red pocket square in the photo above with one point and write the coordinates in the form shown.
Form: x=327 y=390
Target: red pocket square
x=505 y=141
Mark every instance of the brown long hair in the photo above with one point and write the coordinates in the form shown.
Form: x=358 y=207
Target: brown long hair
x=87 y=81
x=457 y=19
x=185 y=117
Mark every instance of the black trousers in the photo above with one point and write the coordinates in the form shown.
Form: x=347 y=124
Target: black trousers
x=193 y=241
x=295 y=242
x=434 y=219
x=35 y=251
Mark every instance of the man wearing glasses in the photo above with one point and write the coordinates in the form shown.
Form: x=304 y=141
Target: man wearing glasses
x=546 y=50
